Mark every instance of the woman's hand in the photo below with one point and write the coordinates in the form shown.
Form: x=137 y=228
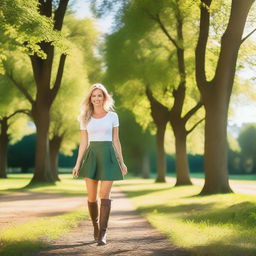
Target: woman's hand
x=75 y=171
x=124 y=169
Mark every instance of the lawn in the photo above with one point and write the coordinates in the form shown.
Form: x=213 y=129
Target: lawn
x=205 y=225
x=26 y=239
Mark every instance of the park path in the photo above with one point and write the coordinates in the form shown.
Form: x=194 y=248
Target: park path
x=18 y=208
x=128 y=234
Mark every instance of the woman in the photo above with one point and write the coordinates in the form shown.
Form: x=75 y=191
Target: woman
x=100 y=155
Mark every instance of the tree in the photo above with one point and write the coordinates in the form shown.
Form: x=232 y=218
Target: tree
x=247 y=143
x=216 y=92
x=22 y=28
x=47 y=86
x=149 y=53
x=11 y=108
x=82 y=68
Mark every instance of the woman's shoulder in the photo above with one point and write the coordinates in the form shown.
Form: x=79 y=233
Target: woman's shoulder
x=112 y=113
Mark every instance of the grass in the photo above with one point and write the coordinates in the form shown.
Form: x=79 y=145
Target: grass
x=28 y=238
x=68 y=186
x=200 y=175
x=205 y=225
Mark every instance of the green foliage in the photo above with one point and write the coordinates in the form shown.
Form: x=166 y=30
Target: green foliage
x=233 y=144
x=82 y=67
x=247 y=140
x=22 y=28
x=139 y=54
x=11 y=98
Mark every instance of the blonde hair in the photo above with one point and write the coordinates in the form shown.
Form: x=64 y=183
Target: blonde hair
x=87 y=106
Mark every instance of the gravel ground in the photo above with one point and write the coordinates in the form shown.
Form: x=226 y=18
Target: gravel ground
x=128 y=234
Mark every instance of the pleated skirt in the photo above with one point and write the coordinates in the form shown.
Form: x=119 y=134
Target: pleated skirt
x=100 y=162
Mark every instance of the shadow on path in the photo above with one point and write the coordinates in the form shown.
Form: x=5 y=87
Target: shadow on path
x=128 y=234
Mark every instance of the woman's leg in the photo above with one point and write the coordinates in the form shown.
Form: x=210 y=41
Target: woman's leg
x=105 y=188
x=92 y=187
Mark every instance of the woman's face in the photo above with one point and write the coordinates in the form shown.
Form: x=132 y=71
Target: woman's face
x=97 y=98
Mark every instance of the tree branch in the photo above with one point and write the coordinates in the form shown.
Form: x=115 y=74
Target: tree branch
x=247 y=36
x=22 y=89
x=23 y=111
x=195 y=125
x=59 y=75
x=165 y=31
x=192 y=111
x=163 y=28
x=153 y=100
x=202 y=42
x=59 y=14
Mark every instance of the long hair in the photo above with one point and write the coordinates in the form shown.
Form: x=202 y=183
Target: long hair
x=87 y=106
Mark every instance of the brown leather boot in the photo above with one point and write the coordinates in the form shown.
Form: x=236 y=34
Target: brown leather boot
x=104 y=216
x=94 y=213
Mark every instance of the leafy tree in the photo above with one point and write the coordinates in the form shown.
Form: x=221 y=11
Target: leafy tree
x=216 y=92
x=22 y=28
x=247 y=142
x=150 y=57
x=47 y=85
x=11 y=107
x=82 y=68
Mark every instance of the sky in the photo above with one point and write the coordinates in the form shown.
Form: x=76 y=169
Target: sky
x=244 y=111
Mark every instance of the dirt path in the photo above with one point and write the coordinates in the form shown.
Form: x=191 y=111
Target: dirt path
x=21 y=207
x=128 y=234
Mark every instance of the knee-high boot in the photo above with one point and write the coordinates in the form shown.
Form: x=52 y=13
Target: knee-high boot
x=105 y=208
x=94 y=213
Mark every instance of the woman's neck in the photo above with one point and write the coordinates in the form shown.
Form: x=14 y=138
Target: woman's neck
x=99 y=110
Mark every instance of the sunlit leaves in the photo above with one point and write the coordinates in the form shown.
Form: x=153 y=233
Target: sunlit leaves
x=22 y=28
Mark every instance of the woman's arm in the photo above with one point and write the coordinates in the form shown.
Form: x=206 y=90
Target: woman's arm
x=81 y=152
x=118 y=149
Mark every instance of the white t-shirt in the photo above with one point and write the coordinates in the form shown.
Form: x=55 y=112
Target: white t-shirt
x=100 y=129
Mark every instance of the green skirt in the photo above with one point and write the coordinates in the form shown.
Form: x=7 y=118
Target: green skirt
x=100 y=162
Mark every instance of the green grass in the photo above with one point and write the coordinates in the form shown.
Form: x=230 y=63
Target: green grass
x=67 y=186
x=28 y=238
x=205 y=225
x=249 y=177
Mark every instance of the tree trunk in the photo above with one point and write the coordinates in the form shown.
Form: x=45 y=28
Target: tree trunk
x=215 y=160
x=160 y=115
x=55 y=144
x=181 y=159
x=47 y=90
x=145 y=167
x=216 y=93
x=42 y=172
x=161 y=161
x=4 y=140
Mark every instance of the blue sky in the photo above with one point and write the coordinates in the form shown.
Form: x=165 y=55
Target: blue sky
x=244 y=109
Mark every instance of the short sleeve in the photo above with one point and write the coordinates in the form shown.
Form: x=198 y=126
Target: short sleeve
x=115 y=120
x=82 y=125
